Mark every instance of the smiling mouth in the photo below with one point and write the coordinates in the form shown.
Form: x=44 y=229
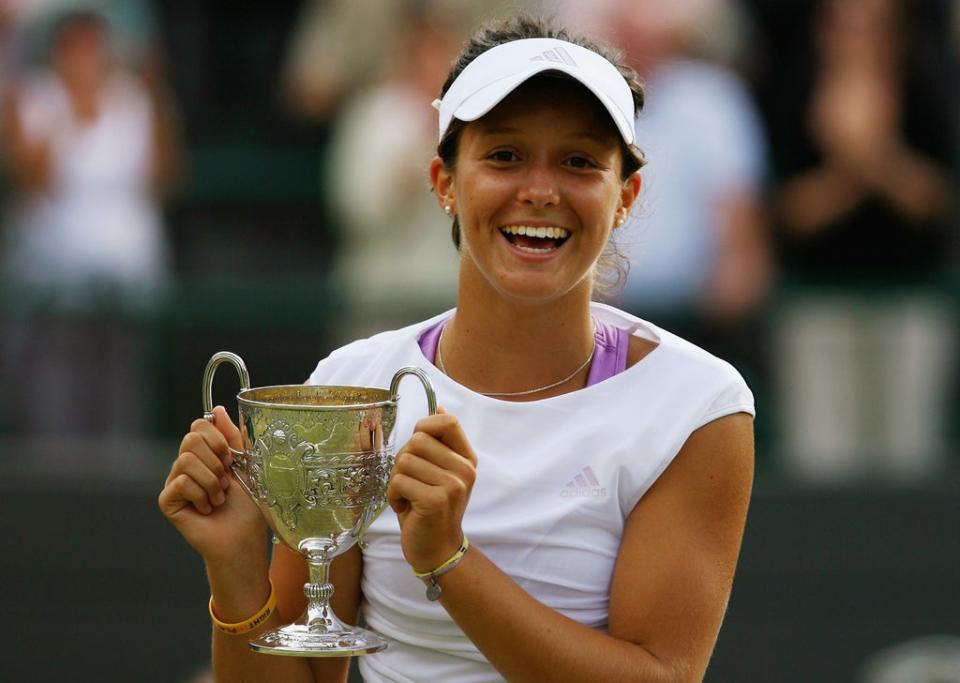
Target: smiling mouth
x=535 y=240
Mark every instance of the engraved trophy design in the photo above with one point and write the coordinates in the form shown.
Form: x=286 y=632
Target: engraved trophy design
x=316 y=459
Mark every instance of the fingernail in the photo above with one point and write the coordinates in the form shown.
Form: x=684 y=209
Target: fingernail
x=225 y=482
x=219 y=499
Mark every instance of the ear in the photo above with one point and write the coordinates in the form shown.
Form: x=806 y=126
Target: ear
x=441 y=179
x=630 y=191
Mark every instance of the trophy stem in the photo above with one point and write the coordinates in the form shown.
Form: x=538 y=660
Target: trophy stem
x=320 y=616
x=323 y=635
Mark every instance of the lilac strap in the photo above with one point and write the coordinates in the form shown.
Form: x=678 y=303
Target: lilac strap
x=609 y=358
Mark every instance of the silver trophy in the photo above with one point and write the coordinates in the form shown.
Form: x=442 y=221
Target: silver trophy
x=316 y=459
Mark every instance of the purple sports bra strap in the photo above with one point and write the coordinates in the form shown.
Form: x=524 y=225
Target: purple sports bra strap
x=609 y=358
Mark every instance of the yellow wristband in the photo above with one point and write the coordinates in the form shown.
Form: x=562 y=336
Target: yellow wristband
x=251 y=623
x=433 y=590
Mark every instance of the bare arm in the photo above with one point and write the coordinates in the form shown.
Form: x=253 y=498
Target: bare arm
x=670 y=587
x=914 y=184
x=744 y=267
x=814 y=200
x=217 y=517
x=29 y=160
x=167 y=159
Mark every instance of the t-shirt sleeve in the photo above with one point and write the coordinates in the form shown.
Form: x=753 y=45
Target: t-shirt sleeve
x=734 y=397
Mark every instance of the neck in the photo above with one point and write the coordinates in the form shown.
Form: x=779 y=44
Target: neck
x=497 y=345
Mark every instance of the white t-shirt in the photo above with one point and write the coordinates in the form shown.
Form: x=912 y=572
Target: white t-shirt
x=556 y=481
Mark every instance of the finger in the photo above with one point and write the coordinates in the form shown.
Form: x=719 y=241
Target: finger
x=446 y=428
x=429 y=450
x=195 y=443
x=181 y=492
x=214 y=439
x=429 y=473
x=230 y=431
x=406 y=491
x=190 y=465
x=435 y=451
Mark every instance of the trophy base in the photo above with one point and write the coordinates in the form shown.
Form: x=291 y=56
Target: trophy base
x=296 y=640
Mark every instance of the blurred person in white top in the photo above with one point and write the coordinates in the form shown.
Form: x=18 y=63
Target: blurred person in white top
x=382 y=139
x=90 y=148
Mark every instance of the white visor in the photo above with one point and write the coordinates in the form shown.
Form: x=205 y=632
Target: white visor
x=496 y=73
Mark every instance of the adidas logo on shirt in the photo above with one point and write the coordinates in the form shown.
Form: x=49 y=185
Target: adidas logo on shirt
x=584 y=485
x=557 y=54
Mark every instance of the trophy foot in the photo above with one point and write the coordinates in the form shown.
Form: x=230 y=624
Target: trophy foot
x=297 y=640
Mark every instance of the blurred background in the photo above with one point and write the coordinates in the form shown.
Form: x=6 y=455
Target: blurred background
x=181 y=177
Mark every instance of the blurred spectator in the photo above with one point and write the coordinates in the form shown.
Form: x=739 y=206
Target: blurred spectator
x=397 y=256
x=865 y=344
x=698 y=243
x=342 y=45
x=90 y=149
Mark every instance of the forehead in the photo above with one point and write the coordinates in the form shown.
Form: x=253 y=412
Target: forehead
x=564 y=102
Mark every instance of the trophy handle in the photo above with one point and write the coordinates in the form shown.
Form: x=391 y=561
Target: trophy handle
x=395 y=396
x=427 y=386
x=239 y=465
x=215 y=362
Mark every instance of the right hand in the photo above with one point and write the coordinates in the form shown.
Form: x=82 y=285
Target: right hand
x=205 y=503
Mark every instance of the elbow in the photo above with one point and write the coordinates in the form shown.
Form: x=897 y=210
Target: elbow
x=658 y=668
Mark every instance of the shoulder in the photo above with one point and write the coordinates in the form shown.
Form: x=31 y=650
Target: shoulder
x=698 y=375
x=682 y=373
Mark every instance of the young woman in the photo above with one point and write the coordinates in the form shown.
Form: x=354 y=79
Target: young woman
x=600 y=466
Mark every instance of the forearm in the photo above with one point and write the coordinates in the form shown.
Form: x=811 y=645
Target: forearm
x=235 y=662
x=813 y=201
x=238 y=592
x=527 y=641
x=915 y=185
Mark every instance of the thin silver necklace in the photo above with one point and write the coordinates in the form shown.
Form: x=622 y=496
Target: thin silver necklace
x=496 y=394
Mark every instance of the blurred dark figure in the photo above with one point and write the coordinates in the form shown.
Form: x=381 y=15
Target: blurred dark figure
x=91 y=149
x=865 y=343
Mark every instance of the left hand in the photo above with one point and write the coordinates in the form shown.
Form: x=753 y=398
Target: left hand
x=431 y=483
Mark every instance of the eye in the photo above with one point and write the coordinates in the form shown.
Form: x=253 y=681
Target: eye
x=580 y=161
x=502 y=155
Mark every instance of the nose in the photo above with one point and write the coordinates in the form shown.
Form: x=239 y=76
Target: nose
x=538 y=187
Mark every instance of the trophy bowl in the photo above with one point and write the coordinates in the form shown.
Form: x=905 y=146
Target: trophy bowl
x=317 y=460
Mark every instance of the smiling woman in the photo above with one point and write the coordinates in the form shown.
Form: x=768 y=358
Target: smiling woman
x=599 y=465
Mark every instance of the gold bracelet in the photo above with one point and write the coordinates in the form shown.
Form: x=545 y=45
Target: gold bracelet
x=251 y=623
x=434 y=590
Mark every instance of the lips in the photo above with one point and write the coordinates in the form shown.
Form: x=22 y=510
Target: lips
x=535 y=239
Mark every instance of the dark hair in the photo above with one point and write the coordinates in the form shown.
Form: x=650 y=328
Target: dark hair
x=79 y=18
x=520 y=27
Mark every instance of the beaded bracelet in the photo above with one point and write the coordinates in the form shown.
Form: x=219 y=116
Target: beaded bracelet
x=434 y=590
x=249 y=624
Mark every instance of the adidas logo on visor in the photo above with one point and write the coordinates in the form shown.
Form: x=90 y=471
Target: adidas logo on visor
x=557 y=54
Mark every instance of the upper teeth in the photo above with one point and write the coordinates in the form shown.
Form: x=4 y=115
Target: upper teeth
x=552 y=233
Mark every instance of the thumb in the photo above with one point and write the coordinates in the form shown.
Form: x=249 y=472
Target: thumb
x=223 y=423
x=441 y=410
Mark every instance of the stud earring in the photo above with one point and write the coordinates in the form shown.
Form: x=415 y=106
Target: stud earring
x=448 y=210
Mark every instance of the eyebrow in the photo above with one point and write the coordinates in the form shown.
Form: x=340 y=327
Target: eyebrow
x=600 y=139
